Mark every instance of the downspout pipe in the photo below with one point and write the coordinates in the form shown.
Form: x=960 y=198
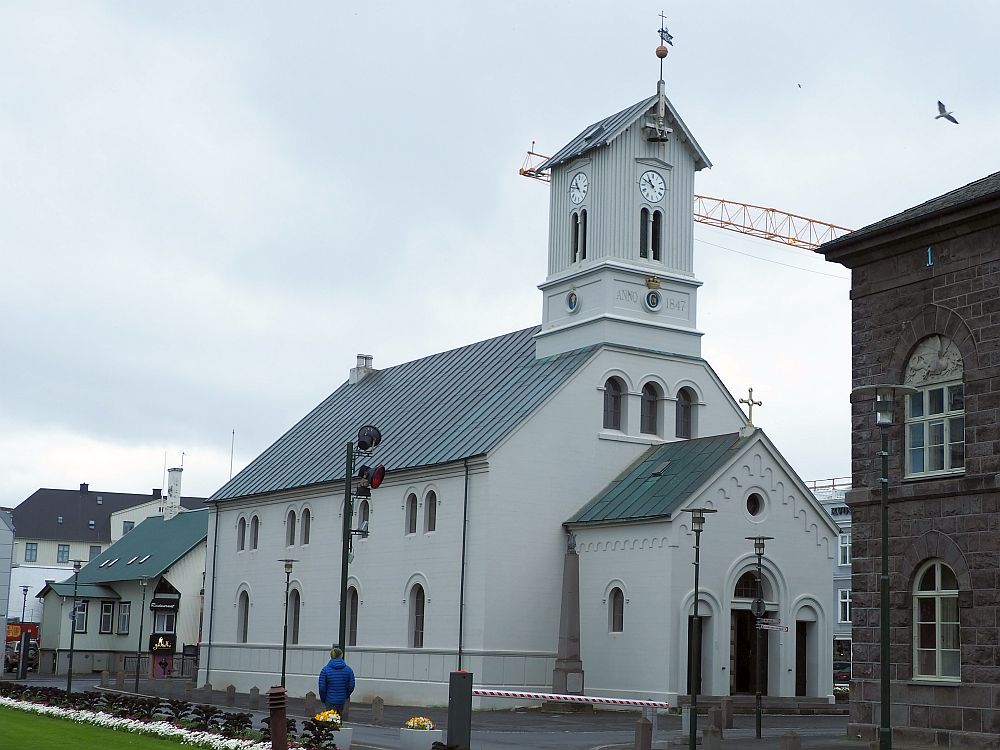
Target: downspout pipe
x=461 y=591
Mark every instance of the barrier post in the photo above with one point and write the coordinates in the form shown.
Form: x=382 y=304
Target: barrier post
x=460 y=709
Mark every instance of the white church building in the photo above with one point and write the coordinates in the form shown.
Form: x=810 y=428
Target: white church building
x=601 y=425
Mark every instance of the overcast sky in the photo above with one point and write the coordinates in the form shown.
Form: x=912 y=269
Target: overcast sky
x=207 y=209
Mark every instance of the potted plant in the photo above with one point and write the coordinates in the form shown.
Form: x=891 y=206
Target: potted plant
x=418 y=733
x=329 y=722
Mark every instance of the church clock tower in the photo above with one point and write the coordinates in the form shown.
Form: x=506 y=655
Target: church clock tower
x=621 y=234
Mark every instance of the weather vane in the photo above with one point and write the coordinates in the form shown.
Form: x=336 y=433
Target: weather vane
x=665 y=35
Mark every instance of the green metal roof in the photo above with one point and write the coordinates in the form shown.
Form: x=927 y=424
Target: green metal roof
x=148 y=549
x=438 y=409
x=661 y=480
x=83 y=590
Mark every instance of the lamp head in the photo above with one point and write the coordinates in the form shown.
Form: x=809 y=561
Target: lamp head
x=885 y=399
x=368 y=437
x=698 y=517
x=144 y=581
x=288 y=564
x=758 y=543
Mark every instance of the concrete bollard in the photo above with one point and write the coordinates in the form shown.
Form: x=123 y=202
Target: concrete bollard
x=791 y=741
x=378 y=709
x=643 y=734
x=715 y=720
x=310 y=701
x=188 y=691
x=276 y=704
x=711 y=739
x=231 y=695
x=727 y=713
x=253 y=702
x=120 y=681
x=104 y=678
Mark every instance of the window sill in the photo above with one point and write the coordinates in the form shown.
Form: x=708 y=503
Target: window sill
x=936 y=681
x=934 y=475
x=621 y=437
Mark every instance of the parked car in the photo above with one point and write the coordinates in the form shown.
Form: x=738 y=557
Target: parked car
x=11 y=657
x=841 y=672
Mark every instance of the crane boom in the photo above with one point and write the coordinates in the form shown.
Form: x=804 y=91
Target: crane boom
x=745 y=218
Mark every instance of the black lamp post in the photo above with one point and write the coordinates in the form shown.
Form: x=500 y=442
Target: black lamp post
x=758 y=612
x=885 y=400
x=143 y=582
x=284 y=639
x=22 y=646
x=368 y=438
x=24 y=603
x=694 y=644
x=72 y=631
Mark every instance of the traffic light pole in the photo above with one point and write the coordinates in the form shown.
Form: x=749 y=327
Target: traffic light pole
x=346 y=547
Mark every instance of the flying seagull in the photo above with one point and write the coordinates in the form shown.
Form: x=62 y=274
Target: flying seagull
x=943 y=112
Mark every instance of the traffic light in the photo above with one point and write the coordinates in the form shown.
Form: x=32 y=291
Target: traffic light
x=368 y=437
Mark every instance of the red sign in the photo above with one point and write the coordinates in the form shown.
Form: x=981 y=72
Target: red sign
x=14 y=631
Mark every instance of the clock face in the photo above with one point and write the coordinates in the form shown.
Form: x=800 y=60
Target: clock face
x=578 y=187
x=652 y=186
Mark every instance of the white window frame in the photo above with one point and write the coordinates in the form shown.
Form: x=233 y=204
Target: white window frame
x=164 y=621
x=843 y=605
x=844 y=548
x=60 y=550
x=937 y=596
x=82 y=610
x=107 y=622
x=924 y=425
x=124 y=617
x=31 y=547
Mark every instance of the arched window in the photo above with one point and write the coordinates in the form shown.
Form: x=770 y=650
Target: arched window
x=613 y=404
x=254 y=532
x=364 y=514
x=644 y=233
x=649 y=412
x=746 y=586
x=242 y=617
x=936 y=647
x=294 y=611
x=656 y=235
x=417 y=616
x=685 y=413
x=411 y=514
x=241 y=535
x=578 y=235
x=430 y=511
x=290 y=529
x=352 y=616
x=616 y=611
x=306 y=525
x=935 y=417
x=583 y=234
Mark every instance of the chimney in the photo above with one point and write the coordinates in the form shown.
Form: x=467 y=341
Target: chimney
x=157 y=493
x=173 y=505
x=364 y=369
x=84 y=487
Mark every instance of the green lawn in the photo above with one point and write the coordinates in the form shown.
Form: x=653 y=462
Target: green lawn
x=21 y=729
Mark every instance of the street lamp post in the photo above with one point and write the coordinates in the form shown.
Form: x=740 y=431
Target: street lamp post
x=22 y=646
x=284 y=638
x=72 y=631
x=885 y=400
x=758 y=611
x=143 y=582
x=694 y=644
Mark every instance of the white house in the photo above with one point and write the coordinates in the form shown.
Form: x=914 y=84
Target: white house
x=495 y=449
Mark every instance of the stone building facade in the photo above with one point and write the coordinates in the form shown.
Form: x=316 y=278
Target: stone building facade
x=926 y=313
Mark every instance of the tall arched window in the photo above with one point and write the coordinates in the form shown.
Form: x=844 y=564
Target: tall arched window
x=936 y=646
x=411 y=514
x=290 y=529
x=746 y=586
x=649 y=411
x=352 y=616
x=935 y=417
x=254 y=532
x=430 y=511
x=294 y=611
x=644 y=233
x=578 y=235
x=306 y=525
x=417 y=616
x=616 y=611
x=241 y=535
x=613 y=391
x=656 y=235
x=242 y=617
x=685 y=413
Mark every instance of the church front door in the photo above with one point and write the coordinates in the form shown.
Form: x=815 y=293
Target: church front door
x=743 y=654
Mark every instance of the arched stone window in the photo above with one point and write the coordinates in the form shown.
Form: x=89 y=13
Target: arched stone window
x=644 y=233
x=411 y=514
x=294 y=615
x=430 y=511
x=578 y=235
x=746 y=586
x=685 y=413
x=290 y=529
x=242 y=617
x=306 y=525
x=364 y=514
x=254 y=532
x=416 y=624
x=352 y=616
x=649 y=413
x=935 y=417
x=616 y=611
x=656 y=235
x=241 y=535
x=936 y=645
x=613 y=392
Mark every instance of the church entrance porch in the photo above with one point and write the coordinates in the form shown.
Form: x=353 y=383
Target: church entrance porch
x=743 y=654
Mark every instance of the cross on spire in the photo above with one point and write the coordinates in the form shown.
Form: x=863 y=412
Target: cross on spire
x=750 y=403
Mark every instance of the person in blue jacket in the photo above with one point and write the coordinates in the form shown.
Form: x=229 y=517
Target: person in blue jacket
x=336 y=682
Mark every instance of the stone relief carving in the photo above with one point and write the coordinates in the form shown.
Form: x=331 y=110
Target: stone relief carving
x=935 y=359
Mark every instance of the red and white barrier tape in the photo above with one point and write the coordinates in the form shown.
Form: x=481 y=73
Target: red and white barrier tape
x=483 y=693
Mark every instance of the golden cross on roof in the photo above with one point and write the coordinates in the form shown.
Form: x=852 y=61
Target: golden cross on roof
x=750 y=403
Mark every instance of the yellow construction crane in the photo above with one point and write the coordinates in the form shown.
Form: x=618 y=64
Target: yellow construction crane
x=745 y=218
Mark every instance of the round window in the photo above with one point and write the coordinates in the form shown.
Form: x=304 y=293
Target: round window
x=755 y=504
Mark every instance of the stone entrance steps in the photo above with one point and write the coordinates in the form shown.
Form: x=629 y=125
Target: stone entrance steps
x=747 y=704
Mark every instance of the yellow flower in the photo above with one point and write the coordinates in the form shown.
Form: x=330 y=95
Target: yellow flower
x=419 y=722
x=330 y=716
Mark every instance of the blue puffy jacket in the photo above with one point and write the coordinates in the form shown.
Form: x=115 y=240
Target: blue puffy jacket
x=336 y=682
